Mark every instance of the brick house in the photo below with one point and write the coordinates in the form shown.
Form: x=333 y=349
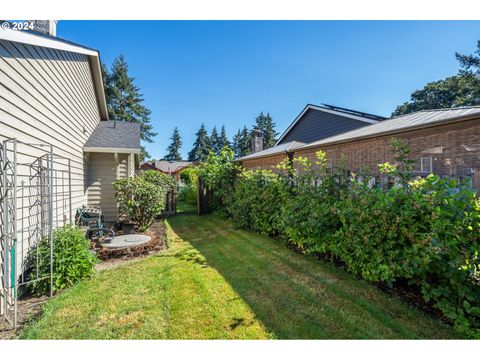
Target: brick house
x=445 y=142
x=315 y=122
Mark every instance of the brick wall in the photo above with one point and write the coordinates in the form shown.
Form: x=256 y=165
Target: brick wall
x=452 y=149
x=264 y=163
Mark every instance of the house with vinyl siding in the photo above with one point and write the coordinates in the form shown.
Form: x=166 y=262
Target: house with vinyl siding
x=52 y=97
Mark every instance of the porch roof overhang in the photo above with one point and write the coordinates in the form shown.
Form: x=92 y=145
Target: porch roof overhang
x=111 y=150
x=114 y=137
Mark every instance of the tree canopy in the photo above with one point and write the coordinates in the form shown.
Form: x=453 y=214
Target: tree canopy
x=223 y=140
x=242 y=142
x=267 y=126
x=462 y=89
x=174 y=147
x=215 y=140
x=201 y=147
x=124 y=100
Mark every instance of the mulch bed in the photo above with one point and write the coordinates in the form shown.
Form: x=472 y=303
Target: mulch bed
x=157 y=243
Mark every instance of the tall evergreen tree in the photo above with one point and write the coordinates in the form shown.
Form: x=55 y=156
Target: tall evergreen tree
x=124 y=100
x=236 y=143
x=260 y=122
x=174 y=147
x=223 y=141
x=269 y=133
x=215 y=140
x=241 y=143
x=245 y=143
x=265 y=124
x=201 y=147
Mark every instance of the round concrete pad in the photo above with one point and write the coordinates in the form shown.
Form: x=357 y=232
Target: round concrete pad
x=125 y=241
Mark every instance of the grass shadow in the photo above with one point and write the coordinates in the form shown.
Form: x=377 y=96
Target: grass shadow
x=296 y=296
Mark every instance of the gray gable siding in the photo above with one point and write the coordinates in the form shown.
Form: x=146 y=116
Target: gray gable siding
x=316 y=125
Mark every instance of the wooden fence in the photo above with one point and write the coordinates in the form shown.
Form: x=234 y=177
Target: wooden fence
x=170 y=204
x=204 y=198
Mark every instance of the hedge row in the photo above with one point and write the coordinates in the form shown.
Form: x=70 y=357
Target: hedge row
x=423 y=231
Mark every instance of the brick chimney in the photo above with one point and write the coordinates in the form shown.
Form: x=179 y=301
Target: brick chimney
x=48 y=27
x=257 y=140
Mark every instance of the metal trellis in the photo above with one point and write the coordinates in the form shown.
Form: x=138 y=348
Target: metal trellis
x=35 y=198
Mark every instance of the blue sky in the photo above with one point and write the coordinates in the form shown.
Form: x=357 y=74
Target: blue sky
x=226 y=72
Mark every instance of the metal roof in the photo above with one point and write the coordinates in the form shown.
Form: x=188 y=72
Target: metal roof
x=279 y=149
x=115 y=134
x=400 y=123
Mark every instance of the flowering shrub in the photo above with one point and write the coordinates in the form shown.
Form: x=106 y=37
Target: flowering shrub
x=423 y=231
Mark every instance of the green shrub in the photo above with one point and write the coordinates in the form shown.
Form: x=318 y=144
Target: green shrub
x=188 y=192
x=142 y=198
x=257 y=201
x=217 y=173
x=421 y=231
x=72 y=261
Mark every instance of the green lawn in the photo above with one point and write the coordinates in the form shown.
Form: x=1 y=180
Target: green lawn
x=218 y=282
x=183 y=207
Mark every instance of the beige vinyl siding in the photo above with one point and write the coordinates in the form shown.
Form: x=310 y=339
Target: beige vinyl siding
x=47 y=96
x=103 y=171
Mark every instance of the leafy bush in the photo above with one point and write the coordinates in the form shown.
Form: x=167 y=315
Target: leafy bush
x=257 y=201
x=142 y=198
x=188 y=191
x=422 y=231
x=72 y=261
x=217 y=172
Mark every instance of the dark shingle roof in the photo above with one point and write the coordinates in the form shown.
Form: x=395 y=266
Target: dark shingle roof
x=115 y=134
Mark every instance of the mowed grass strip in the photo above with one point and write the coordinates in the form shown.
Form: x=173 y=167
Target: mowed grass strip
x=297 y=296
x=219 y=282
x=172 y=295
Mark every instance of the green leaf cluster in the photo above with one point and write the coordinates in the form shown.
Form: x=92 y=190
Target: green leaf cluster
x=422 y=231
x=142 y=198
x=188 y=191
x=72 y=261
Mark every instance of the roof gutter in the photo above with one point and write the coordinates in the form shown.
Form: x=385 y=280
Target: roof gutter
x=392 y=132
x=111 y=150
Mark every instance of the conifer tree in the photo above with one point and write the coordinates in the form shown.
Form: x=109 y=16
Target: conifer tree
x=174 y=148
x=201 y=147
x=265 y=124
x=215 y=140
x=236 y=143
x=241 y=143
x=245 y=143
x=223 y=138
x=124 y=100
x=269 y=133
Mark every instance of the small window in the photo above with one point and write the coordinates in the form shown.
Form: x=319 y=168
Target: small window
x=426 y=164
